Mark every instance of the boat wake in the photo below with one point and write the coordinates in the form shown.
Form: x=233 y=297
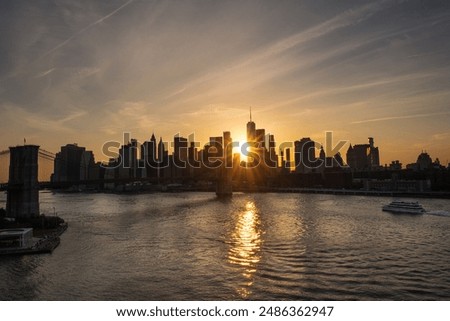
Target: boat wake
x=439 y=213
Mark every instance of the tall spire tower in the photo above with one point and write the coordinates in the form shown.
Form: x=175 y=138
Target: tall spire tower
x=251 y=129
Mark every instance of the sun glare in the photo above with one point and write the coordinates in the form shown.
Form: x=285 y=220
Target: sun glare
x=246 y=240
x=241 y=140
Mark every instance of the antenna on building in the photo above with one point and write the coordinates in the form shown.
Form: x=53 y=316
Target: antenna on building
x=24 y=141
x=250 y=113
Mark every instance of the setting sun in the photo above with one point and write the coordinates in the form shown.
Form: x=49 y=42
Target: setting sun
x=288 y=154
x=241 y=140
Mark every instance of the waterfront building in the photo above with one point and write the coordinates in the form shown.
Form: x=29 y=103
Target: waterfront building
x=339 y=161
x=329 y=163
x=271 y=155
x=213 y=152
x=128 y=160
x=217 y=144
x=17 y=238
x=179 y=157
x=180 y=152
x=224 y=172
x=260 y=137
x=395 y=165
x=424 y=162
x=363 y=156
x=193 y=159
x=228 y=149
x=87 y=165
x=398 y=185
x=149 y=157
x=163 y=159
x=305 y=155
x=67 y=163
x=288 y=160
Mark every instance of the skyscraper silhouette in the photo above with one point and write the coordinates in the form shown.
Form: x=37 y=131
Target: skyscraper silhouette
x=149 y=156
x=251 y=129
x=305 y=155
x=363 y=156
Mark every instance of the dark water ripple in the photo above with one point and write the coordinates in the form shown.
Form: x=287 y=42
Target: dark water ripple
x=191 y=246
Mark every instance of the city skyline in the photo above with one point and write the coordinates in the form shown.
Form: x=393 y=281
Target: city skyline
x=87 y=72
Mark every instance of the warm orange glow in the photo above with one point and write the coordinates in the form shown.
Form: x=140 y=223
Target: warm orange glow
x=246 y=240
x=298 y=82
x=241 y=140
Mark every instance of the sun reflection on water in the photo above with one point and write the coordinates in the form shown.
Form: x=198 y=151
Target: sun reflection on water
x=246 y=246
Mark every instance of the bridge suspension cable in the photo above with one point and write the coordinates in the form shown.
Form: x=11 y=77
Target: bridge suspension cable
x=45 y=158
x=46 y=152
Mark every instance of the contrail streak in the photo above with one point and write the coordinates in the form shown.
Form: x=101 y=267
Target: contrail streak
x=399 y=117
x=62 y=44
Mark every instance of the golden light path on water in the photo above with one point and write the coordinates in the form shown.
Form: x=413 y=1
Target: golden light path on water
x=246 y=246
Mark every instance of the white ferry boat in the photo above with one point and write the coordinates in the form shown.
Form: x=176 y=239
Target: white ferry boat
x=404 y=207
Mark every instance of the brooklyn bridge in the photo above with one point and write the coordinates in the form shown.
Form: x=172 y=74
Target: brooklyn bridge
x=45 y=167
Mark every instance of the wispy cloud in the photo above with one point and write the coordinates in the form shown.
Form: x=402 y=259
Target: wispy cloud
x=65 y=42
x=267 y=53
x=86 y=72
x=353 y=87
x=176 y=66
x=399 y=117
x=345 y=19
x=17 y=115
x=441 y=136
x=45 y=73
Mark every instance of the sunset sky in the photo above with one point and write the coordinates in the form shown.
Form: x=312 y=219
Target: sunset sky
x=86 y=71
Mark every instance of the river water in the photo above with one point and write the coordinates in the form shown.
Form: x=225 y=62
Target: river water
x=192 y=246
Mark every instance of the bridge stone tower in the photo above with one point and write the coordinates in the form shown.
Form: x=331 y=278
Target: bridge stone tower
x=23 y=187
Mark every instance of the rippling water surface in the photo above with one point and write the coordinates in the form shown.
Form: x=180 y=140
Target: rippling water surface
x=192 y=246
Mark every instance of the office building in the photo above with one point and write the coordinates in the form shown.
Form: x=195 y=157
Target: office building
x=305 y=155
x=149 y=157
x=363 y=156
x=67 y=164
